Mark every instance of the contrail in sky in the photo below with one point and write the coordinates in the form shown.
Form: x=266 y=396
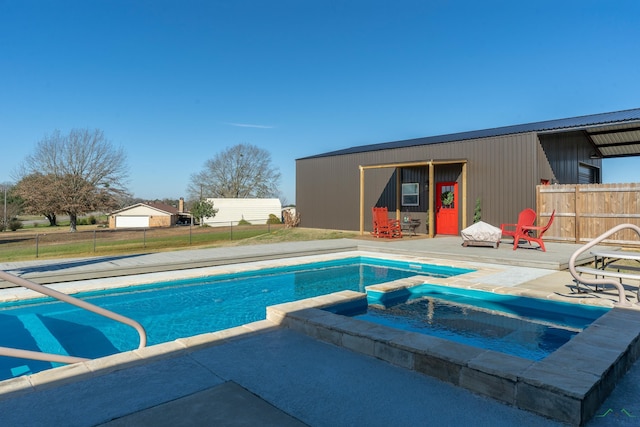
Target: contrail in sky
x=248 y=125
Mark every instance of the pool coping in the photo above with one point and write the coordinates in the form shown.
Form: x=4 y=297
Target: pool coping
x=568 y=386
x=16 y=293
x=442 y=360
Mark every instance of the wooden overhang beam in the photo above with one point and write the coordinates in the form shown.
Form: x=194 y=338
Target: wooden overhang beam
x=431 y=164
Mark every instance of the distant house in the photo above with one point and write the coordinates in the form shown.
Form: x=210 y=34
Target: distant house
x=232 y=211
x=147 y=215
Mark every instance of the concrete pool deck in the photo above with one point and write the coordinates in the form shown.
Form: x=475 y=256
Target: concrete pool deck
x=263 y=374
x=50 y=271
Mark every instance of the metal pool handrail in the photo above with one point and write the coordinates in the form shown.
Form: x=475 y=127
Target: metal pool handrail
x=49 y=357
x=604 y=281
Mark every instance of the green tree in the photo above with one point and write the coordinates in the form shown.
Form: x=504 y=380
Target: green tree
x=203 y=209
x=477 y=211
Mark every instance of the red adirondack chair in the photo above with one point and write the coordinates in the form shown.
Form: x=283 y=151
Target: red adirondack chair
x=383 y=226
x=532 y=233
x=527 y=217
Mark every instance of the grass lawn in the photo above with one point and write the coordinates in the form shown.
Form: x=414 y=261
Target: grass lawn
x=46 y=242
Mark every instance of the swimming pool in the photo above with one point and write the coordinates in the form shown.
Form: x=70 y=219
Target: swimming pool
x=525 y=327
x=182 y=308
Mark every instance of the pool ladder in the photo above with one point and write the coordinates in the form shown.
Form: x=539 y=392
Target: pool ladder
x=49 y=357
x=622 y=300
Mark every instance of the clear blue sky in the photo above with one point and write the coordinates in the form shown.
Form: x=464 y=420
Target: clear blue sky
x=175 y=82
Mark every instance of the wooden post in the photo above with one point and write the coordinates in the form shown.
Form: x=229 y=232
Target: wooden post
x=432 y=177
x=538 y=202
x=464 y=196
x=576 y=203
x=398 y=191
x=361 y=200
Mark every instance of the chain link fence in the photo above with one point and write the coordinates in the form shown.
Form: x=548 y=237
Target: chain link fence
x=36 y=243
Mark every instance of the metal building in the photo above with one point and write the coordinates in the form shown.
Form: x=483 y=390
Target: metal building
x=230 y=211
x=442 y=180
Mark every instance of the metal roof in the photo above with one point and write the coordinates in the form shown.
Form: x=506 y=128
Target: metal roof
x=615 y=134
x=161 y=207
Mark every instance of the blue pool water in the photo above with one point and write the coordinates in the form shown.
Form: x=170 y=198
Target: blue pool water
x=182 y=308
x=525 y=327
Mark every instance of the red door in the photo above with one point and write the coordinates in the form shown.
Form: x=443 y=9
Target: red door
x=447 y=208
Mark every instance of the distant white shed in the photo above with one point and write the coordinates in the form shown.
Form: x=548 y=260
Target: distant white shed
x=232 y=211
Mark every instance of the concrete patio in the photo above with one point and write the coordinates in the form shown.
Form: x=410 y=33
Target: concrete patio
x=264 y=374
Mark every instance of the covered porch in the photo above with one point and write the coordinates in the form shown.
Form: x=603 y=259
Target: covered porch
x=430 y=165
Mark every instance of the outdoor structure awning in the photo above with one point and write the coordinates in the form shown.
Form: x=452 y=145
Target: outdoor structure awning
x=425 y=163
x=615 y=141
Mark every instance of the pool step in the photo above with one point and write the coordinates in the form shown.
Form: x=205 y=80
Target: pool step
x=28 y=332
x=49 y=335
x=43 y=337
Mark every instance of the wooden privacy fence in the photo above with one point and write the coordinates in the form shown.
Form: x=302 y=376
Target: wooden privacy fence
x=585 y=211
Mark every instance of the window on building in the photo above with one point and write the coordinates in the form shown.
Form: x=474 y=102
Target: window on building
x=410 y=194
x=588 y=174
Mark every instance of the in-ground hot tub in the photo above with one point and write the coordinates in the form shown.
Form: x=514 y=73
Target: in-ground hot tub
x=524 y=327
x=568 y=385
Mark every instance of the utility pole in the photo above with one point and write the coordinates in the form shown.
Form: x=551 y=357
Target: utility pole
x=4 y=223
x=200 y=205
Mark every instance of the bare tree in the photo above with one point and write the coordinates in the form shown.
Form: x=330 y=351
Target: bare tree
x=239 y=172
x=83 y=172
x=39 y=195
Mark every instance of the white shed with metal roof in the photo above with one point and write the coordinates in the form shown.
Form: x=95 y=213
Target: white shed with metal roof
x=252 y=210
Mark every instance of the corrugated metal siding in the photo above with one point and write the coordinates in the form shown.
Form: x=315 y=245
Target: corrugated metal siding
x=502 y=172
x=544 y=166
x=328 y=192
x=565 y=152
x=253 y=210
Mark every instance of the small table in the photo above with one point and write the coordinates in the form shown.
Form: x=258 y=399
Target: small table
x=604 y=259
x=607 y=258
x=411 y=225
